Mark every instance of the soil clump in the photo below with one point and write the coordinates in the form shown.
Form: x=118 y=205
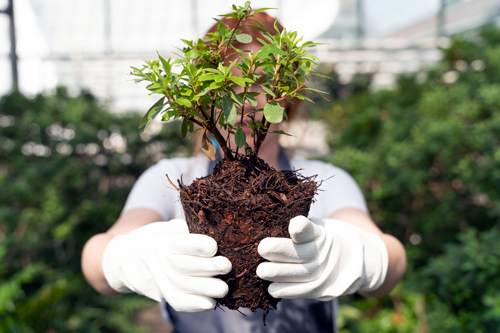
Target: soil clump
x=239 y=204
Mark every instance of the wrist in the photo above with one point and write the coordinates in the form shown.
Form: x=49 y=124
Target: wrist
x=376 y=261
x=92 y=256
x=111 y=264
x=396 y=267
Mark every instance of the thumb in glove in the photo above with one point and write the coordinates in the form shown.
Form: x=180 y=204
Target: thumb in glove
x=322 y=260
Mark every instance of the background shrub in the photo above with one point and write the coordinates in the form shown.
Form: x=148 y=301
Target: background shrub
x=66 y=167
x=427 y=156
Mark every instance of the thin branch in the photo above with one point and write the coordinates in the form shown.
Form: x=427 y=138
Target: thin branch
x=286 y=95
x=232 y=35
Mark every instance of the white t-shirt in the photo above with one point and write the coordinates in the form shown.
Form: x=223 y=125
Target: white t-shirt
x=338 y=190
x=152 y=190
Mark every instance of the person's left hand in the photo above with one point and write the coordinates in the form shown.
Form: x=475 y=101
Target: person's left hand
x=323 y=259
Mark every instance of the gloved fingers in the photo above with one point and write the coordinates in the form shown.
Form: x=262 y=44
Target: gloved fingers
x=200 y=266
x=293 y=290
x=278 y=272
x=204 y=286
x=192 y=244
x=182 y=302
x=285 y=250
x=314 y=289
x=303 y=230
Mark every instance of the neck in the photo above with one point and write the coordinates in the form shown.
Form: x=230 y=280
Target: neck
x=269 y=154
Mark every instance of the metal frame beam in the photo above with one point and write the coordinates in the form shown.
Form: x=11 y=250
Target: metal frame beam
x=12 y=34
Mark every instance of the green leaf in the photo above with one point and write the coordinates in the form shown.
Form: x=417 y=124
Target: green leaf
x=213 y=70
x=222 y=69
x=262 y=9
x=243 y=38
x=136 y=69
x=219 y=21
x=190 y=126
x=252 y=101
x=273 y=112
x=235 y=97
x=267 y=90
x=219 y=78
x=240 y=137
x=207 y=77
x=311 y=44
x=165 y=64
x=186 y=92
x=153 y=86
x=304 y=98
x=216 y=85
x=183 y=101
x=204 y=91
x=229 y=110
x=222 y=121
x=241 y=81
x=323 y=76
x=221 y=28
x=273 y=49
x=152 y=112
x=187 y=42
x=264 y=50
x=169 y=114
x=280 y=132
x=184 y=127
x=310 y=56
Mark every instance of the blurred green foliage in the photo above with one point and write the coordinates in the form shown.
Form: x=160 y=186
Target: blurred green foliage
x=427 y=156
x=66 y=167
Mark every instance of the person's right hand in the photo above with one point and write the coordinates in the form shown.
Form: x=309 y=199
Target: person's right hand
x=163 y=261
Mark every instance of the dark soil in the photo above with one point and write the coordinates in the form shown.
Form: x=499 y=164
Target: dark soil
x=239 y=204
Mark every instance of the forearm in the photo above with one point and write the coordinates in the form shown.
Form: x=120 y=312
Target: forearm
x=94 y=248
x=92 y=263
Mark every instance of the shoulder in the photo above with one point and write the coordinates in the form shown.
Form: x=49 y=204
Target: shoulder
x=189 y=167
x=176 y=162
x=338 y=189
x=315 y=167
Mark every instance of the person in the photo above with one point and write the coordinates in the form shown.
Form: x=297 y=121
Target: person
x=336 y=250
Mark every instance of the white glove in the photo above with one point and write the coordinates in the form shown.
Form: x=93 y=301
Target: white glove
x=163 y=261
x=323 y=259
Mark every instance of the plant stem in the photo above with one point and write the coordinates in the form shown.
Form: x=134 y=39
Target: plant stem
x=261 y=135
x=242 y=111
x=231 y=38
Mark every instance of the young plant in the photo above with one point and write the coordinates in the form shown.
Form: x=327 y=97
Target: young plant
x=199 y=87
